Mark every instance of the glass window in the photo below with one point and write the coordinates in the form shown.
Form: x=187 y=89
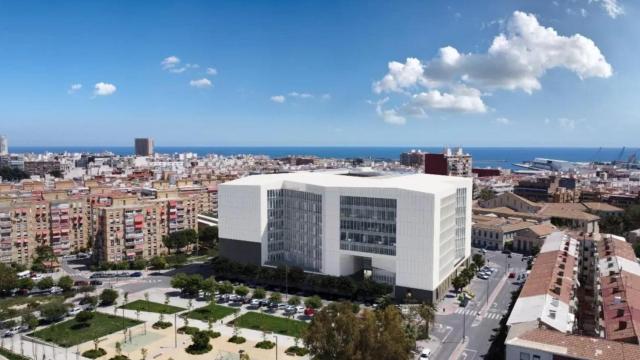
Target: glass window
x=524 y=356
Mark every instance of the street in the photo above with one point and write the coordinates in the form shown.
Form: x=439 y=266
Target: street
x=480 y=319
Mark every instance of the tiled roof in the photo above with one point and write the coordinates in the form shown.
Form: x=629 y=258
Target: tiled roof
x=575 y=346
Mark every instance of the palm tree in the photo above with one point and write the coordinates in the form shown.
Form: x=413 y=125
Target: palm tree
x=428 y=314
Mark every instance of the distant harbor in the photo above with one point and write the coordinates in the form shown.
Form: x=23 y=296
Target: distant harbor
x=484 y=157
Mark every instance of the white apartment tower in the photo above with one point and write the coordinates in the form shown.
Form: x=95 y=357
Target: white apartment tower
x=4 y=145
x=410 y=231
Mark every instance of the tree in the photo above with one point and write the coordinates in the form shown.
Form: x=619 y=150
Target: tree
x=242 y=290
x=30 y=320
x=636 y=249
x=158 y=262
x=12 y=174
x=458 y=283
x=478 y=260
x=487 y=194
x=535 y=250
x=8 y=278
x=209 y=286
x=56 y=173
x=108 y=297
x=208 y=236
x=46 y=283
x=84 y=317
x=90 y=300
x=428 y=314
x=138 y=264
x=314 y=302
x=225 y=288
x=65 y=283
x=26 y=283
x=612 y=225
x=333 y=332
x=259 y=293
x=45 y=252
x=53 y=311
x=179 y=239
x=275 y=297
x=294 y=300
x=189 y=285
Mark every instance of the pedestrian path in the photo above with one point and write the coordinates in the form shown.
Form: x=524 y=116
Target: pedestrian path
x=469 y=312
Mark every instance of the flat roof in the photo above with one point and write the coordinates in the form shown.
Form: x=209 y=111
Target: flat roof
x=415 y=182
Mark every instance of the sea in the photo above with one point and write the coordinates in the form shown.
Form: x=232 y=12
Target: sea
x=483 y=157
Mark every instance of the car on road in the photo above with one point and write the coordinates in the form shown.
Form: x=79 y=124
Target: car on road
x=425 y=354
x=95 y=282
x=136 y=274
x=74 y=311
x=512 y=275
x=484 y=251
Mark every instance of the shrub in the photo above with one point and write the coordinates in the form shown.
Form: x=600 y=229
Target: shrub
x=189 y=330
x=296 y=350
x=212 y=334
x=200 y=343
x=108 y=297
x=266 y=344
x=161 y=325
x=119 y=357
x=94 y=354
x=237 y=339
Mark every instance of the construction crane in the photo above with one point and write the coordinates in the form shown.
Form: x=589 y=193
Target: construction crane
x=620 y=155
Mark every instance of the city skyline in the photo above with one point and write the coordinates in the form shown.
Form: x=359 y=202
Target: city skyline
x=292 y=74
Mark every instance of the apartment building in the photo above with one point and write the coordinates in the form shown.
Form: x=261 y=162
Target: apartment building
x=451 y=163
x=412 y=231
x=128 y=228
x=493 y=232
x=143 y=146
x=597 y=302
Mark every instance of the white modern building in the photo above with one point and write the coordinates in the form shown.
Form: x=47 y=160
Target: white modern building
x=4 y=145
x=410 y=231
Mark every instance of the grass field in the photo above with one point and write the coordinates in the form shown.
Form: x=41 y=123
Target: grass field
x=151 y=306
x=211 y=311
x=264 y=322
x=12 y=356
x=71 y=332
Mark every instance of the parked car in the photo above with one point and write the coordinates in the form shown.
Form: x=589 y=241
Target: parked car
x=425 y=354
x=136 y=274
x=55 y=290
x=505 y=251
x=74 y=311
x=300 y=309
x=483 y=251
x=483 y=277
x=310 y=311
x=512 y=275
x=80 y=283
x=95 y=282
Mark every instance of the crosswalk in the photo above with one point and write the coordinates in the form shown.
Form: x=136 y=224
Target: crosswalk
x=469 y=312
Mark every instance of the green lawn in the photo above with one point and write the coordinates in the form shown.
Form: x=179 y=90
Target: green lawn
x=151 y=306
x=212 y=311
x=12 y=356
x=71 y=333
x=264 y=322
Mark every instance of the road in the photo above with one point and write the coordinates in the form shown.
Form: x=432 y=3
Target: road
x=480 y=319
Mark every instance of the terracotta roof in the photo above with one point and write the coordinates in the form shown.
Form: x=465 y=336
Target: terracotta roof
x=567 y=211
x=548 y=268
x=601 y=206
x=542 y=229
x=575 y=346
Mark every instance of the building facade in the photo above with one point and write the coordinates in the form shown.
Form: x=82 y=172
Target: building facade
x=411 y=231
x=144 y=146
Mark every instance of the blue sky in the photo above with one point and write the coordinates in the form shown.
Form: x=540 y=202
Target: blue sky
x=313 y=73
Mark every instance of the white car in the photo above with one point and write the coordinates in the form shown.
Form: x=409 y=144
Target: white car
x=483 y=276
x=74 y=311
x=425 y=354
x=300 y=308
x=483 y=251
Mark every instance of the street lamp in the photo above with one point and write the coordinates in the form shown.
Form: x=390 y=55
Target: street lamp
x=175 y=329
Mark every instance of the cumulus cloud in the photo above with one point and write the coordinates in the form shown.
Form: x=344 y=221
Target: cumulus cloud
x=74 y=88
x=503 y=121
x=390 y=116
x=212 y=71
x=172 y=64
x=201 y=83
x=515 y=60
x=563 y=122
x=103 y=89
x=278 y=99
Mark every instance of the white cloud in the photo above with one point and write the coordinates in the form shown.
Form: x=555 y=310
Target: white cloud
x=104 y=89
x=503 y=121
x=74 y=88
x=300 y=95
x=170 y=62
x=212 y=71
x=566 y=123
x=326 y=97
x=516 y=60
x=390 y=116
x=461 y=99
x=278 y=99
x=201 y=83
x=612 y=7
